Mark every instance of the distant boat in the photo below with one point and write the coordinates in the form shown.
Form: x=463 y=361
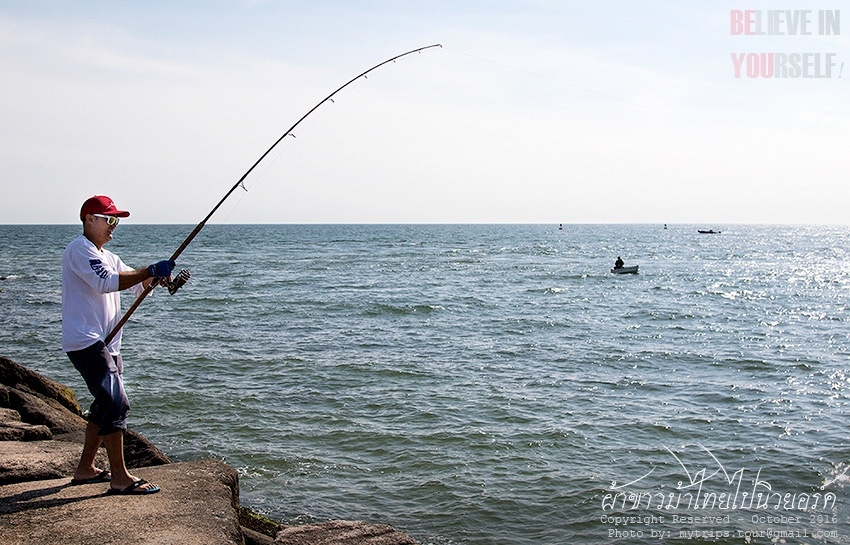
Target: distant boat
x=626 y=270
x=708 y=231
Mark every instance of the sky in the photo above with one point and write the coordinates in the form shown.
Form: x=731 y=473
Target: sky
x=532 y=111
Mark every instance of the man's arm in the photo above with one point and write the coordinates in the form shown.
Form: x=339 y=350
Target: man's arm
x=161 y=270
x=128 y=279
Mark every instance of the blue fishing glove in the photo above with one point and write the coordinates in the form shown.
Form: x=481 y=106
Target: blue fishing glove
x=161 y=269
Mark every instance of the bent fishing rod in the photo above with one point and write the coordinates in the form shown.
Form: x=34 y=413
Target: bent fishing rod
x=183 y=276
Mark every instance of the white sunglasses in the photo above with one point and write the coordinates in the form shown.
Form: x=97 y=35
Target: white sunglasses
x=110 y=220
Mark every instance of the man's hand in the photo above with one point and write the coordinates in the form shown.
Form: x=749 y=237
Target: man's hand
x=161 y=269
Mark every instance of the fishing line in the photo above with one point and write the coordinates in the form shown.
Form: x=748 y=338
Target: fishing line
x=240 y=183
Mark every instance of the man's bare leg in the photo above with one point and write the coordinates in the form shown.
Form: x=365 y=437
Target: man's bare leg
x=121 y=478
x=86 y=468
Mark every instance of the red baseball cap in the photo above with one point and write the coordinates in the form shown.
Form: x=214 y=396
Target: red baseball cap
x=101 y=204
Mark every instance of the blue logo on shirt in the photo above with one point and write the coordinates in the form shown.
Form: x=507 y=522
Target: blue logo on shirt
x=98 y=268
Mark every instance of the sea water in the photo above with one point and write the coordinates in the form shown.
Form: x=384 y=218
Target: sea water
x=488 y=384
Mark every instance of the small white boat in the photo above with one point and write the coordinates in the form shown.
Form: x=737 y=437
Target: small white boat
x=626 y=270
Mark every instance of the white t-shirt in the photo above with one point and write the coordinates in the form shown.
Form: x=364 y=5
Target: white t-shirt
x=91 y=302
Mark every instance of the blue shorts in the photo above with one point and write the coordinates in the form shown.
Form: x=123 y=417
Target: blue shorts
x=102 y=373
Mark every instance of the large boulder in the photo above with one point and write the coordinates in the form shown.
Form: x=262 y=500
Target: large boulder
x=45 y=411
x=19 y=377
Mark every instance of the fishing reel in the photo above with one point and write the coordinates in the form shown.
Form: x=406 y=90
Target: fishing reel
x=177 y=281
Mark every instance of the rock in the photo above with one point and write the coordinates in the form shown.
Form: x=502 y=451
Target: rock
x=19 y=377
x=139 y=452
x=195 y=507
x=258 y=523
x=342 y=532
x=256 y=538
x=9 y=415
x=12 y=429
x=35 y=409
x=40 y=460
x=20 y=431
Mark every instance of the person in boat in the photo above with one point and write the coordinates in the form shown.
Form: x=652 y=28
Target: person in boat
x=619 y=263
x=91 y=306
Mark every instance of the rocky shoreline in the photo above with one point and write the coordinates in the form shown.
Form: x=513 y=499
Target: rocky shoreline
x=41 y=435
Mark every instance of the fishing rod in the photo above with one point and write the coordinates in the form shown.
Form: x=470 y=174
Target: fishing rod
x=183 y=276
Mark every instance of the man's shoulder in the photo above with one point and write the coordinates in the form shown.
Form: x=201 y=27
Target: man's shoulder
x=79 y=240
x=81 y=247
x=79 y=244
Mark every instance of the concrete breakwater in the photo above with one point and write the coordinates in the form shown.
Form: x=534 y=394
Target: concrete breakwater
x=41 y=436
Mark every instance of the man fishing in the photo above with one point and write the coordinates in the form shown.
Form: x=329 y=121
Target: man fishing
x=92 y=325
x=92 y=279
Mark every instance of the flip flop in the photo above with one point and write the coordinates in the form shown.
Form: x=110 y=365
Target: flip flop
x=102 y=477
x=135 y=489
